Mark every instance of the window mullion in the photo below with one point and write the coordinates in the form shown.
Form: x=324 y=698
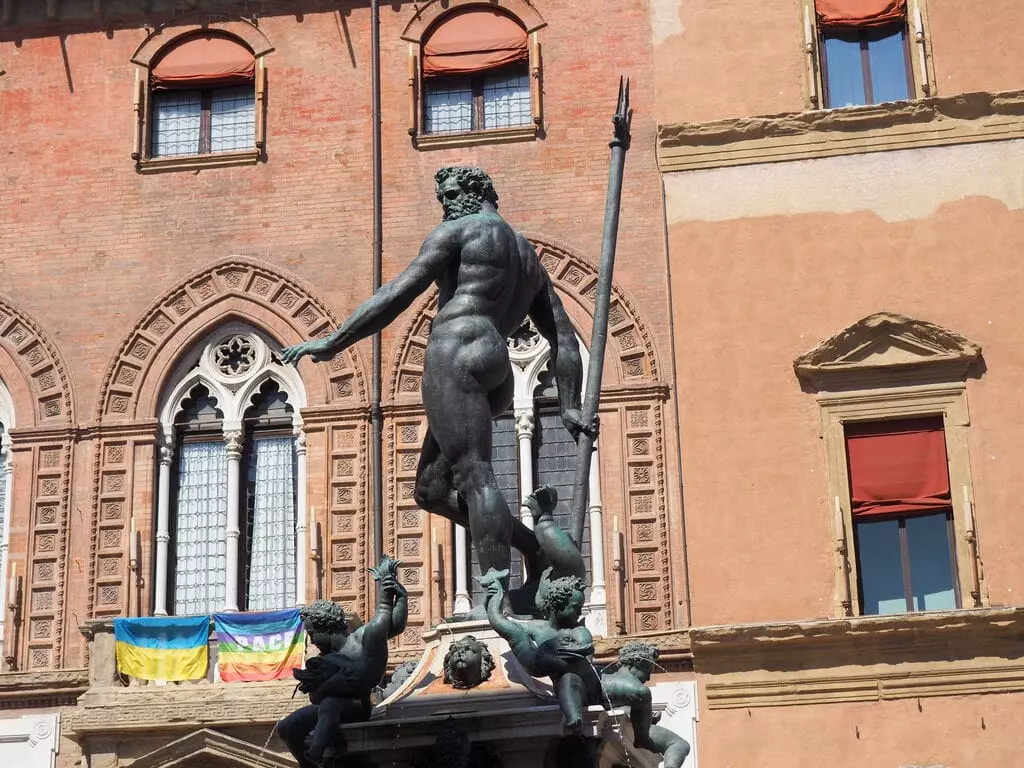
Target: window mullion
x=478 y=103
x=908 y=590
x=865 y=64
x=205 y=121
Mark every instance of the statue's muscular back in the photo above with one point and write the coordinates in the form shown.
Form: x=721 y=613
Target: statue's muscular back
x=486 y=291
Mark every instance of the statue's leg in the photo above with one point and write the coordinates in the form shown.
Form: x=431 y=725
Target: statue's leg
x=325 y=734
x=466 y=360
x=572 y=697
x=295 y=729
x=556 y=544
x=672 y=747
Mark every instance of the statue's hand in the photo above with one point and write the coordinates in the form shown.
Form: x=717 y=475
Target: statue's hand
x=573 y=420
x=317 y=349
x=492 y=584
x=391 y=586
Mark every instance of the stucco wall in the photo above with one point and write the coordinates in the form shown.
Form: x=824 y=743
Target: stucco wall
x=768 y=260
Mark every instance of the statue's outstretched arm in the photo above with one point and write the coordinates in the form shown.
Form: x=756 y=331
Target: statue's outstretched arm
x=553 y=323
x=393 y=298
x=522 y=645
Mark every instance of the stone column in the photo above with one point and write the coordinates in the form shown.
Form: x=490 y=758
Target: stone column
x=462 y=602
x=7 y=467
x=163 y=523
x=597 y=620
x=301 y=547
x=525 y=425
x=233 y=445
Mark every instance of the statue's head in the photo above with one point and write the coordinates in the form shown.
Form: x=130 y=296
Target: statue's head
x=638 y=658
x=462 y=190
x=561 y=599
x=325 y=620
x=467 y=663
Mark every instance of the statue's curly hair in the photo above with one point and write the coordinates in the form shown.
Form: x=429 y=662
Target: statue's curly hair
x=637 y=653
x=486 y=660
x=556 y=594
x=324 y=616
x=469 y=178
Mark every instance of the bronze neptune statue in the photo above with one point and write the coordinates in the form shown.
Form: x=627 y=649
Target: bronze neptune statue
x=489 y=279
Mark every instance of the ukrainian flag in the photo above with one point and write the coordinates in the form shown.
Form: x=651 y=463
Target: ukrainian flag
x=168 y=648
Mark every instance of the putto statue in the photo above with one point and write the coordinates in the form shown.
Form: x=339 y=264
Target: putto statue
x=467 y=663
x=489 y=279
x=627 y=687
x=340 y=680
x=558 y=646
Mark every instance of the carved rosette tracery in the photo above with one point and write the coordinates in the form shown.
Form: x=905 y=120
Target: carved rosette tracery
x=632 y=347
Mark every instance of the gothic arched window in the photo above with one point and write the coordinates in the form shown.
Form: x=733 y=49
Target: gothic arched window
x=232 y=477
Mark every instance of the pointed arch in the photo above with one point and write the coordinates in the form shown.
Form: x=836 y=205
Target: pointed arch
x=631 y=354
x=237 y=288
x=33 y=370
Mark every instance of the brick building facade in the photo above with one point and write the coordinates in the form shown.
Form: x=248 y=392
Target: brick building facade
x=796 y=263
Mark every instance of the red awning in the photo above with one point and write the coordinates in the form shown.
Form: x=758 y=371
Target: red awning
x=204 y=60
x=473 y=40
x=897 y=466
x=837 y=14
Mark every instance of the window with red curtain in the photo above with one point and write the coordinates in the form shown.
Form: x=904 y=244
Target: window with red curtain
x=203 y=97
x=476 y=73
x=901 y=507
x=865 y=57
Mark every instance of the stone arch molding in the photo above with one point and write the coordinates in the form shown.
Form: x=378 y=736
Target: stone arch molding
x=575 y=278
x=43 y=372
x=235 y=289
x=433 y=10
x=244 y=30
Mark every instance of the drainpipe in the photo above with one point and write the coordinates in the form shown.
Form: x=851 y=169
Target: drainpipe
x=376 y=416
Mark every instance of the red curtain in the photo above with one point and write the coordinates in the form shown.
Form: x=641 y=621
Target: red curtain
x=473 y=41
x=897 y=466
x=206 y=60
x=836 y=14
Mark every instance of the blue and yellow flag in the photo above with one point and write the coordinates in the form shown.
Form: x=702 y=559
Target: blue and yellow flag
x=168 y=648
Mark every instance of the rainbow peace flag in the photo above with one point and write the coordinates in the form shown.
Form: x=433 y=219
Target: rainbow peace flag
x=168 y=648
x=259 y=646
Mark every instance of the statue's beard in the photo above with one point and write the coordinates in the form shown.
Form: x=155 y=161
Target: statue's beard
x=456 y=209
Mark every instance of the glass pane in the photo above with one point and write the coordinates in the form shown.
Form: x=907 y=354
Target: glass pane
x=888 y=56
x=507 y=100
x=233 y=119
x=176 y=118
x=448 y=105
x=200 y=547
x=845 y=71
x=931 y=570
x=272 y=559
x=881 y=573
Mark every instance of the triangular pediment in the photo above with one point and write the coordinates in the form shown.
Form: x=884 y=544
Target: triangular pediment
x=889 y=346
x=209 y=749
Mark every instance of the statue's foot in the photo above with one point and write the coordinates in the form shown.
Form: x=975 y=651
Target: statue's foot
x=574 y=724
x=542 y=503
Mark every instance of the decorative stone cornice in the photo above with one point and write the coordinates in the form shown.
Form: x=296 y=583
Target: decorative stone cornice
x=862 y=658
x=933 y=122
x=49 y=688
x=886 y=349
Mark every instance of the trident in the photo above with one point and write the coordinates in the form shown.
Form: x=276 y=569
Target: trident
x=585 y=446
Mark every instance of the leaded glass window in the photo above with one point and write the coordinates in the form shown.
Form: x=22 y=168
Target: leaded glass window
x=200 y=563
x=271 y=571
x=499 y=99
x=201 y=122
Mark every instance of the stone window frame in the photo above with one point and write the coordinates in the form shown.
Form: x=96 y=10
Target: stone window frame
x=918 y=41
x=146 y=55
x=425 y=20
x=886 y=367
